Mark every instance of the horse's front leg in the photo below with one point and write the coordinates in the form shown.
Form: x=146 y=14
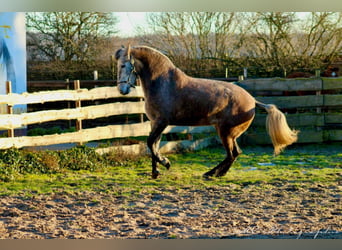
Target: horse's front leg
x=153 y=144
x=161 y=159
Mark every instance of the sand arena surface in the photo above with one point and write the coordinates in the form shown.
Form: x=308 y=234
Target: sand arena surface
x=253 y=211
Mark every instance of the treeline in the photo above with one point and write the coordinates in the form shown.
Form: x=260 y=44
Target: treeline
x=205 y=44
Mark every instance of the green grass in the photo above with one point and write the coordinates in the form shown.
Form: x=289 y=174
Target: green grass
x=81 y=169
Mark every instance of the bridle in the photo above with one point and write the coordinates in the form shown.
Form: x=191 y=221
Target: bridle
x=132 y=73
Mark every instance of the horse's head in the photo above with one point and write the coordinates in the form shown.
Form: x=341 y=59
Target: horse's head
x=127 y=76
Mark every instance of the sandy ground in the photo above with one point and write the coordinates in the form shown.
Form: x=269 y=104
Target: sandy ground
x=279 y=211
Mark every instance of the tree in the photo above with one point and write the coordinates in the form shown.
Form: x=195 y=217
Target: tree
x=194 y=36
x=322 y=40
x=281 y=41
x=269 y=45
x=68 y=36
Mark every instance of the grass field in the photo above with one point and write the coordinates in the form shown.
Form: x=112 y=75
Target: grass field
x=80 y=169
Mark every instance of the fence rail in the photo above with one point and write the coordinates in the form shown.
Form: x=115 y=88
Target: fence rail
x=314 y=107
x=316 y=111
x=14 y=121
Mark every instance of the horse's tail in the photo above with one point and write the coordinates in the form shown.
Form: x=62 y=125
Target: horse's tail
x=277 y=127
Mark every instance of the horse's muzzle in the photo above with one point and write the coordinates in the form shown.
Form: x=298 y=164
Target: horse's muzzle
x=124 y=88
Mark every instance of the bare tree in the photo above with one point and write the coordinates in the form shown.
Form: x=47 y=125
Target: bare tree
x=269 y=44
x=284 y=42
x=194 y=36
x=68 y=36
x=321 y=42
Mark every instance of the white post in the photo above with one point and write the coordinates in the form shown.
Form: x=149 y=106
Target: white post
x=96 y=77
x=245 y=73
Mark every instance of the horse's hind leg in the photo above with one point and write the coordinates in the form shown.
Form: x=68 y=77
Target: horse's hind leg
x=228 y=137
x=232 y=150
x=153 y=144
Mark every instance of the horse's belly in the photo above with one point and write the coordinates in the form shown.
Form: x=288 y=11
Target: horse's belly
x=190 y=121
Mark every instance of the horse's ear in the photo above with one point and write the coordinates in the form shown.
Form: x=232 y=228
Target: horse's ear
x=117 y=54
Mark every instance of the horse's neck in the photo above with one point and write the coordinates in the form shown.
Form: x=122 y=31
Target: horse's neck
x=154 y=62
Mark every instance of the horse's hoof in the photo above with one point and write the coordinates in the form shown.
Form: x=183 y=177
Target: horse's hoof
x=155 y=174
x=207 y=176
x=166 y=163
x=220 y=173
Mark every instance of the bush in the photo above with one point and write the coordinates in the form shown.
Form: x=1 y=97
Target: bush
x=81 y=158
x=15 y=162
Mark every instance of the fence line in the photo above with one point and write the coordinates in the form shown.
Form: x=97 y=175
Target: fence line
x=12 y=121
x=323 y=125
x=314 y=106
x=67 y=95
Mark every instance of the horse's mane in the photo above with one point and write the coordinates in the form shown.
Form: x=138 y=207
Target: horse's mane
x=157 y=61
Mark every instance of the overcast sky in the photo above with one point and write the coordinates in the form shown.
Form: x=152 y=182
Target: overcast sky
x=128 y=21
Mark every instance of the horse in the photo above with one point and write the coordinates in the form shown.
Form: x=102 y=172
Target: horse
x=174 y=98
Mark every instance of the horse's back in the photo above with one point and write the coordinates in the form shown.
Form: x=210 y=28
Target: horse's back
x=200 y=101
x=221 y=92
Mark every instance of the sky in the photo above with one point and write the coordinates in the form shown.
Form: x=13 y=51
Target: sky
x=128 y=21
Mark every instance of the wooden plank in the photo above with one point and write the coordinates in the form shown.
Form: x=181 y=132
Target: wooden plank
x=262 y=138
x=294 y=120
x=294 y=101
x=78 y=105
x=85 y=135
x=63 y=84
x=333 y=135
x=189 y=129
x=83 y=113
x=331 y=83
x=140 y=148
x=47 y=84
x=332 y=100
x=68 y=95
x=296 y=84
x=173 y=146
x=282 y=84
x=333 y=118
x=166 y=147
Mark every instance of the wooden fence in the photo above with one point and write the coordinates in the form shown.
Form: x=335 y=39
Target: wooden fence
x=79 y=113
x=314 y=106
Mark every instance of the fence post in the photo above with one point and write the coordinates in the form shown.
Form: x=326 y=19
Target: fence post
x=96 y=75
x=245 y=74
x=78 y=105
x=319 y=92
x=67 y=83
x=10 y=132
x=112 y=65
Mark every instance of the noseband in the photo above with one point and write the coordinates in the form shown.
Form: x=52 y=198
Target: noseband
x=132 y=73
